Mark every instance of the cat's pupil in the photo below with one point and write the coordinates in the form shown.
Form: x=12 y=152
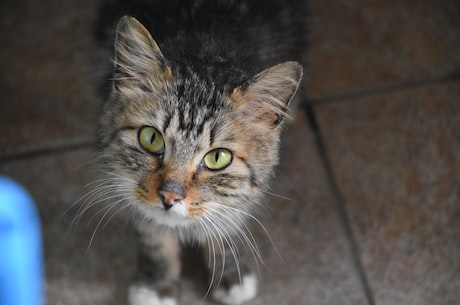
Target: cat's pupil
x=217 y=155
x=152 y=139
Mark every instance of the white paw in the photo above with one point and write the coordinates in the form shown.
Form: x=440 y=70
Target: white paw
x=238 y=293
x=141 y=295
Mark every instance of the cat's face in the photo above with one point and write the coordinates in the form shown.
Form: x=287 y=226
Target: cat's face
x=181 y=150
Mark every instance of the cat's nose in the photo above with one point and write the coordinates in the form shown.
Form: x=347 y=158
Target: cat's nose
x=169 y=199
x=171 y=193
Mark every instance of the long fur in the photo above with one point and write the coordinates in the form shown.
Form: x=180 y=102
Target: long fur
x=205 y=74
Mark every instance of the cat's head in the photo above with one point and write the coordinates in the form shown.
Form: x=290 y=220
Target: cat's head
x=181 y=150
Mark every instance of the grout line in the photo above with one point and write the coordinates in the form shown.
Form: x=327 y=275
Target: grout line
x=47 y=150
x=339 y=203
x=454 y=76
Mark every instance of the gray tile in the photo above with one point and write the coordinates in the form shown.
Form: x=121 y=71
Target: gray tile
x=316 y=266
x=46 y=95
x=357 y=45
x=396 y=159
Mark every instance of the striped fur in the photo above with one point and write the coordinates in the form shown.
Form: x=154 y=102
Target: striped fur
x=197 y=106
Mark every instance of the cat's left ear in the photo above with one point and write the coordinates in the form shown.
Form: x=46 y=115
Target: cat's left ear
x=266 y=98
x=138 y=59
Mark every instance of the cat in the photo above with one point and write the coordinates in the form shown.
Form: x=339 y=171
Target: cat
x=190 y=130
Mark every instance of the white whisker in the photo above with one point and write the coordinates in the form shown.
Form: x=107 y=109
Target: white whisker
x=97 y=196
x=249 y=240
x=124 y=206
x=259 y=223
x=219 y=225
x=109 y=192
x=224 y=236
x=107 y=209
x=278 y=195
x=211 y=254
x=221 y=248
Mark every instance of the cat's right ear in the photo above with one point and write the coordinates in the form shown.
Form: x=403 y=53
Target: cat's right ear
x=266 y=97
x=139 y=63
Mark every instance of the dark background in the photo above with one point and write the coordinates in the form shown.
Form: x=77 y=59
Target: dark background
x=370 y=170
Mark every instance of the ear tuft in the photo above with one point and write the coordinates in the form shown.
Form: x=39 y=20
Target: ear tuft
x=138 y=59
x=266 y=98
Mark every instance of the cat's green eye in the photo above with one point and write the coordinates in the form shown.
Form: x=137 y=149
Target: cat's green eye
x=218 y=158
x=151 y=140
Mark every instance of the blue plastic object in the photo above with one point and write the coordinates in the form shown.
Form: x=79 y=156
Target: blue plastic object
x=21 y=257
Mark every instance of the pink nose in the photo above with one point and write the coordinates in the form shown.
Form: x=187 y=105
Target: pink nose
x=171 y=192
x=169 y=199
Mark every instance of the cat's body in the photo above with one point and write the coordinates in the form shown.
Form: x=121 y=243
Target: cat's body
x=190 y=131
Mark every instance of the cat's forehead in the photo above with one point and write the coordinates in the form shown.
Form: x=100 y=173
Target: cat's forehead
x=196 y=89
x=192 y=110
x=196 y=104
x=192 y=126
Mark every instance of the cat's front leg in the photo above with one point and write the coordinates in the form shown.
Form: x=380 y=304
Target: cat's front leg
x=158 y=270
x=231 y=277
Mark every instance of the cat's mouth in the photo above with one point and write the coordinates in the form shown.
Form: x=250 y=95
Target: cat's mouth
x=177 y=210
x=174 y=215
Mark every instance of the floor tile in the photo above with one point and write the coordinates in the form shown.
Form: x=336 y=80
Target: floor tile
x=396 y=160
x=357 y=45
x=46 y=98
x=315 y=265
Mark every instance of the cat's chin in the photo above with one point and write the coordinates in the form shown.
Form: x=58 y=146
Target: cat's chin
x=175 y=217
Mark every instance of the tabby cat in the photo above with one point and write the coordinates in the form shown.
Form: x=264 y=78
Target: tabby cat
x=190 y=130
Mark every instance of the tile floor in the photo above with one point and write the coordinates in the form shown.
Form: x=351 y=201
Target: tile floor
x=371 y=168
